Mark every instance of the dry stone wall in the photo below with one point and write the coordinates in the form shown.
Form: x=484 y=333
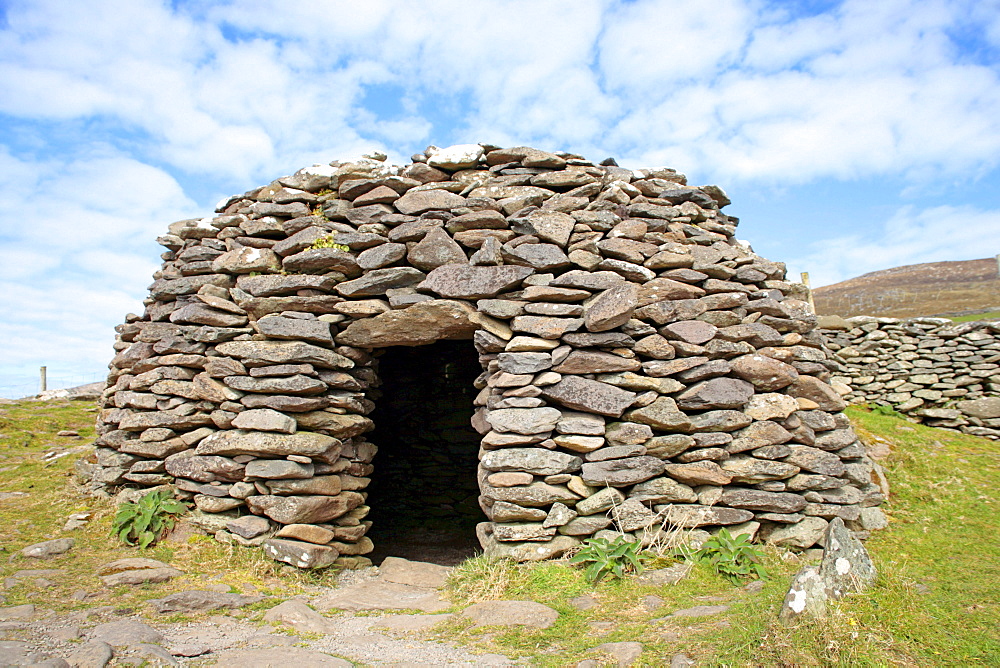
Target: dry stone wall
x=641 y=368
x=938 y=372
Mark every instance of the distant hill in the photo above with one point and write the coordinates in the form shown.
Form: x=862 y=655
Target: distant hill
x=934 y=288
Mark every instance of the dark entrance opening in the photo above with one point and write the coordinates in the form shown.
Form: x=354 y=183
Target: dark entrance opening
x=423 y=492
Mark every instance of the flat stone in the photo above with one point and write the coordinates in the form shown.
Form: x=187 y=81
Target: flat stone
x=414 y=573
x=125 y=632
x=663 y=415
x=531 y=551
x=589 y=395
x=537 y=494
x=770 y=405
x=265 y=419
x=197 y=600
x=621 y=472
x=267 y=444
x=381 y=256
x=544 y=326
x=624 y=653
x=140 y=576
x=765 y=373
x=249 y=526
x=511 y=613
x=537 y=461
x=285 y=352
x=593 y=361
x=420 y=324
x=472 y=282
x=376 y=595
x=309 y=533
x=987 y=408
x=93 y=654
x=304 y=509
x=716 y=393
x=768 y=502
x=17 y=612
x=694 y=516
x=815 y=460
x=296 y=614
x=48 y=548
x=278 y=468
x=377 y=282
x=699 y=473
x=299 y=553
x=524 y=420
x=663 y=490
x=542 y=257
x=748 y=470
x=700 y=611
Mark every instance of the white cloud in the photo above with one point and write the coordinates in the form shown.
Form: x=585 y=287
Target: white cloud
x=910 y=236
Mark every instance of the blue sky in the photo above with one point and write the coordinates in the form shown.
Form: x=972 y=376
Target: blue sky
x=852 y=136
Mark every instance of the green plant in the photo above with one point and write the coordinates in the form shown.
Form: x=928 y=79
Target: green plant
x=327 y=242
x=615 y=557
x=144 y=522
x=886 y=409
x=734 y=558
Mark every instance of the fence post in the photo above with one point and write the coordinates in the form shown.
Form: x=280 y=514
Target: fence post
x=43 y=381
x=809 y=292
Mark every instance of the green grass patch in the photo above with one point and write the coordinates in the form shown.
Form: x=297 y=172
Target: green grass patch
x=992 y=315
x=32 y=467
x=935 y=602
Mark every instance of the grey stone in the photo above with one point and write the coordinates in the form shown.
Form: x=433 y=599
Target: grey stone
x=264 y=444
x=376 y=595
x=802 y=535
x=716 y=393
x=694 y=516
x=265 y=419
x=524 y=420
x=470 y=282
x=420 y=324
x=589 y=395
x=773 y=502
x=125 y=632
x=295 y=329
x=299 y=553
x=511 y=613
x=270 y=657
x=304 y=509
x=48 y=548
x=378 y=281
x=278 y=468
x=93 y=654
x=285 y=352
x=196 y=600
x=612 y=308
x=537 y=461
x=621 y=472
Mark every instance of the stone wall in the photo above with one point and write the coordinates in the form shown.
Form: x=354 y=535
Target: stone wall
x=640 y=366
x=940 y=373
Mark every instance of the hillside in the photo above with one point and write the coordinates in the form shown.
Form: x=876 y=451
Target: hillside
x=933 y=288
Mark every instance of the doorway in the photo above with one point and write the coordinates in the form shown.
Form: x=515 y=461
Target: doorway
x=424 y=493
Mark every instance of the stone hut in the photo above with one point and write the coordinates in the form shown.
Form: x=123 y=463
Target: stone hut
x=524 y=343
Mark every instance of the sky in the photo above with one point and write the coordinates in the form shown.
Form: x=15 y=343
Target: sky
x=851 y=136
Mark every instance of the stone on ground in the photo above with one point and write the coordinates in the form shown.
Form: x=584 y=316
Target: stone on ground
x=298 y=615
x=414 y=573
x=125 y=632
x=625 y=653
x=381 y=596
x=93 y=654
x=197 y=600
x=48 y=548
x=511 y=613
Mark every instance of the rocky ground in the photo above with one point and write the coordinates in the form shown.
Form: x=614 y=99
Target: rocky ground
x=377 y=616
x=223 y=629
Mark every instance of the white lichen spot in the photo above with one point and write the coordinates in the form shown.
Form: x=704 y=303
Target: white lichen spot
x=320 y=170
x=843 y=566
x=252 y=255
x=205 y=223
x=798 y=602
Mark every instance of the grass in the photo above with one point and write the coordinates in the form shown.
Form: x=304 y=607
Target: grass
x=935 y=603
x=992 y=315
x=28 y=442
